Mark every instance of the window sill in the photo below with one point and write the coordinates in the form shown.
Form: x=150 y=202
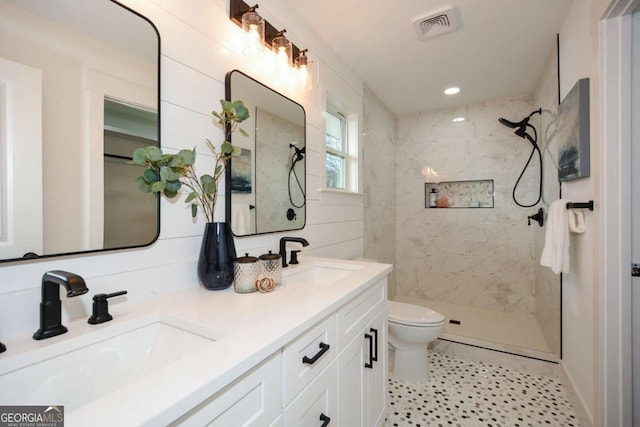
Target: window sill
x=345 y=192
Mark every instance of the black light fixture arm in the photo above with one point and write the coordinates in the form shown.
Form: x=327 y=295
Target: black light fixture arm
x=237 y=8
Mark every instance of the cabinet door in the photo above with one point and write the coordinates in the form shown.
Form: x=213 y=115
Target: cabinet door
x=375 y=379
x=351 y=373
x=355 y=315
x=317 y=405
x=362 y=373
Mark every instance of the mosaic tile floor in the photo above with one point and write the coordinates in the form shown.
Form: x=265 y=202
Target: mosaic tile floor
x=465 y=393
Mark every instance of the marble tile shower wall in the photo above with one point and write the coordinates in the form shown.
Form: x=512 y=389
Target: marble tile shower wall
x=479 y=257
x=379 y=151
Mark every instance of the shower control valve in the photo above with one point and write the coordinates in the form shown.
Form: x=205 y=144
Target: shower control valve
x=538 y=217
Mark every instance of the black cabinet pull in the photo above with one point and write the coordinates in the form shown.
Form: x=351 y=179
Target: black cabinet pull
x=323 y=349
x=370 y=364
x=325 y=420
x=375 y=354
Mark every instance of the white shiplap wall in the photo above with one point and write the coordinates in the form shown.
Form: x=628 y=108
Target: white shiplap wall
x=199 y=46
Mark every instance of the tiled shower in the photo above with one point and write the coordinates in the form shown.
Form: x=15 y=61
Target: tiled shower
x=484 y=258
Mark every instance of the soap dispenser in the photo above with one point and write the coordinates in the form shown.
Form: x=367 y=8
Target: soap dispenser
x=433 y=198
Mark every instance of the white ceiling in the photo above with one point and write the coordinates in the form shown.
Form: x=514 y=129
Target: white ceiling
x=499 y=49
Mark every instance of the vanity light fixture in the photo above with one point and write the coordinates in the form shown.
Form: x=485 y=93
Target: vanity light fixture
x=257 y=28
x=458 y=119
x=305 y=77
x=451 y=90
x=253 y=25
x=283 y=50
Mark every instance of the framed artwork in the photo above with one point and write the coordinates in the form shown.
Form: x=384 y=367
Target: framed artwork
x=573 y=133
x=241 y=180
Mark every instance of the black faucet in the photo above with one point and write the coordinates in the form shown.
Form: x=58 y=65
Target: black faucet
x=51 y=306
x=2 y=348
x=283 y=247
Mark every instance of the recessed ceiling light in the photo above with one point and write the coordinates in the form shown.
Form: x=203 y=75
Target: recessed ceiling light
x=458 y=119
x=451 y=90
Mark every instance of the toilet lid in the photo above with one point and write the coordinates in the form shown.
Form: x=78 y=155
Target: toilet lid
x=411 y=314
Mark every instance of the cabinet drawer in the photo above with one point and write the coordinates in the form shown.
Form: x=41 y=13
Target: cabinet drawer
x=252 y=400
x=308 y=355
x=354 y=316
x=316 y=403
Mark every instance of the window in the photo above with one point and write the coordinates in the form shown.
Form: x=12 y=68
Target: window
x=341 y=151
x=335 y=150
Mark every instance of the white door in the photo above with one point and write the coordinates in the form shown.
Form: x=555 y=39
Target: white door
x=635 y=214
x=20 y=143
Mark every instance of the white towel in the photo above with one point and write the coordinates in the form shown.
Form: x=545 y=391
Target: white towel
x=241 y=219
x=555 y=254
x=576 y=221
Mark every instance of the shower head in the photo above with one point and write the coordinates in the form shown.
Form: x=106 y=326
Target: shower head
x=522 y=123
x=513 y=125
x=299 y=154
x=521 y=126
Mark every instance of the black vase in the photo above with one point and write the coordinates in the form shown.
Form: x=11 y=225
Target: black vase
x=217 y=255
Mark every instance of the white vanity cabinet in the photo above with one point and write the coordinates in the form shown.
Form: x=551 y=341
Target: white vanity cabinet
x=332 y=374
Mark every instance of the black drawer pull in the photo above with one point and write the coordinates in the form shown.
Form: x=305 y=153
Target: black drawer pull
x=323 y=349
x=370 y=364
x=325 y=420
x=375 y=354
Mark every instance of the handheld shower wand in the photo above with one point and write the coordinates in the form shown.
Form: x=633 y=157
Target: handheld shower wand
x=299 y=152
x=521 y=130
x=521 y=127
x=295 y=158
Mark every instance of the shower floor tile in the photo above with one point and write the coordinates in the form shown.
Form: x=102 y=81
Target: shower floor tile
x=467 y=393
x=518 y=330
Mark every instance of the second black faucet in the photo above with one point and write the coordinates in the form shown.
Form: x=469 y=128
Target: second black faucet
x=283 y=247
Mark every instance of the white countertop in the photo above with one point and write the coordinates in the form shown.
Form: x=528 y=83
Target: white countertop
x=247 y=328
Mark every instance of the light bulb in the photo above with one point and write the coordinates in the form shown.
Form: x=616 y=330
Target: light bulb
x=303 y=75
x=303 y=71
x=282 y=50
x=253 y=25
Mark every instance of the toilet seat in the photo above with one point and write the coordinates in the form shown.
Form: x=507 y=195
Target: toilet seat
x=413 y=315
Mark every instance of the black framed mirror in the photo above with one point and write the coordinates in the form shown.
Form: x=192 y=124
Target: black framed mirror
x=79 y=91
x=267 y=182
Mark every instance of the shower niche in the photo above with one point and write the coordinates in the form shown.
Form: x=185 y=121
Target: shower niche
x=459 y=194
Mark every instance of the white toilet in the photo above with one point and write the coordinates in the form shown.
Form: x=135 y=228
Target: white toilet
x=411 y=328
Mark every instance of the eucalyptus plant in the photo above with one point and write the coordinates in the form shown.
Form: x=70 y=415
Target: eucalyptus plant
x=167 y=173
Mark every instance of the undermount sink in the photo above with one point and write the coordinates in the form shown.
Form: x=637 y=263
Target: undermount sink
x=320 y=273
x=84 y=372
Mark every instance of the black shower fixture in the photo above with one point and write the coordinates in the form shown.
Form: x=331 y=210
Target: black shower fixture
x=521 y=130
x=521 y=127
x=298 y=155
x=299 y=152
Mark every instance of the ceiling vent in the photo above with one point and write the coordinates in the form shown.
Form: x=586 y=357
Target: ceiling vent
x=435 y=24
